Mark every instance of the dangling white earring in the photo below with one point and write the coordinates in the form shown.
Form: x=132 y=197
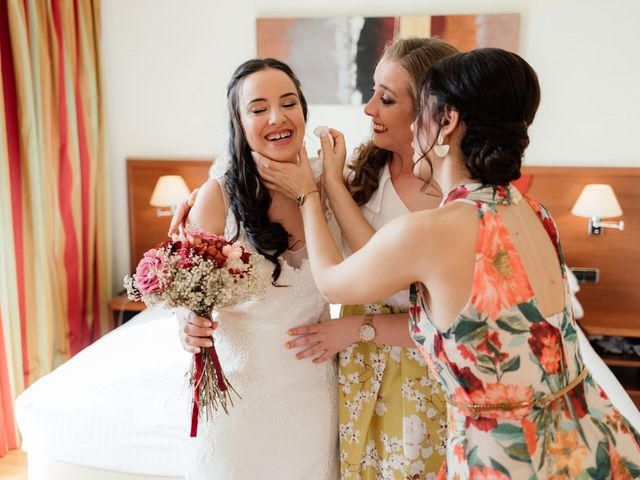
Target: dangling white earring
x=440 y=149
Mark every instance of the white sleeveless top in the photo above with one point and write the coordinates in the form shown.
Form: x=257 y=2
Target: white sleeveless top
x=384 y=205
x=285 y=426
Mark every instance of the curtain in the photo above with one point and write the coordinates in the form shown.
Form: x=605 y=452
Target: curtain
x=54 y=252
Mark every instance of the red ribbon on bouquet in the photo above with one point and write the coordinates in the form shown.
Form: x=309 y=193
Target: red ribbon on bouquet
x=206 y=359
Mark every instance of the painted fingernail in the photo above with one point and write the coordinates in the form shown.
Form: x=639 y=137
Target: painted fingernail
x=287 y=345
x=299 y=356
x=290 y=332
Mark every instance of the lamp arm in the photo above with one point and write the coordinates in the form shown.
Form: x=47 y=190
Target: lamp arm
x=597 y=223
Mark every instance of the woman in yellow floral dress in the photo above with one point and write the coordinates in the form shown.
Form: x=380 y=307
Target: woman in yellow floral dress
x=392 y=412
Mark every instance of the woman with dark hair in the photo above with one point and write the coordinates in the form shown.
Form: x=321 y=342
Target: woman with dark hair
x=491 y=307
x=391 y=411
x=285 y=424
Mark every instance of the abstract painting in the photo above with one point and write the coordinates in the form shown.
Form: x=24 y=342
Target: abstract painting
x=335 y=57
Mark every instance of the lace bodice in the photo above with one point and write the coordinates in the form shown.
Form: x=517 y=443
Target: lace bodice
x=285 y=424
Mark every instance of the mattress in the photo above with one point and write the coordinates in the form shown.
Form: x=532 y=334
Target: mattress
x=41 y=468
x=120 y=408
x=121 y=404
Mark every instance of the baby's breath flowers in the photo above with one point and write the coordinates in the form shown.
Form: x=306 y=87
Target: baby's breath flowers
x=201 y=272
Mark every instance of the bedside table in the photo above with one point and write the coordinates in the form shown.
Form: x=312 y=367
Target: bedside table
x=122 y=309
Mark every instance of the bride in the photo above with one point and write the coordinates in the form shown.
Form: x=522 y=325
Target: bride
x=285 y=424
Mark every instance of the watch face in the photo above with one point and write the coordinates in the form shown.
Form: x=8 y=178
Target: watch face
x=367 y=333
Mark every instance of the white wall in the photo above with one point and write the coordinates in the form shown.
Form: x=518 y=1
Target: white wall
x=166 y=64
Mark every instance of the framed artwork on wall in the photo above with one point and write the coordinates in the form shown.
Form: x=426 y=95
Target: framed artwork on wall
x=335 y=57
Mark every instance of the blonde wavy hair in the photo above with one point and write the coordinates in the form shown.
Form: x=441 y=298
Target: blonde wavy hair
x=415 y=56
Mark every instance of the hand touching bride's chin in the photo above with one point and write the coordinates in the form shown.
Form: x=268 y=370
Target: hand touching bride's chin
x=290 y=178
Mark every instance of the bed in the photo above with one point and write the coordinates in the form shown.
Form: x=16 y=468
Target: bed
x=119 y=410
x=120 y=405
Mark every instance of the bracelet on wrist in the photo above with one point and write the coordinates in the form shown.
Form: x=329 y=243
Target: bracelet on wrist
x=303 y=196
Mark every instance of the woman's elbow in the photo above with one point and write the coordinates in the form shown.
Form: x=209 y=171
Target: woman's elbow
x=329 y=291
x=332 y=297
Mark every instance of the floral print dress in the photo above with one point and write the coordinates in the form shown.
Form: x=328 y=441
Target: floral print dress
x=543 y=416
x=392 y=411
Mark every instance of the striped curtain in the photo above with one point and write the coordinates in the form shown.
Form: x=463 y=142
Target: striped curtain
x=54 y=252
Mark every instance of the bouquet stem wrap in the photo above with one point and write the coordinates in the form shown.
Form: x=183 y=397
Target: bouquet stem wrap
x=211 y=388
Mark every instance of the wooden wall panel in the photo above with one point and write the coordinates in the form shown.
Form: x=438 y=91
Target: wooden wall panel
x=611 y=306
x=146 y=229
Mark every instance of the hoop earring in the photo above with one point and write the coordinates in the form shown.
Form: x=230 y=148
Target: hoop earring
x=441 y=149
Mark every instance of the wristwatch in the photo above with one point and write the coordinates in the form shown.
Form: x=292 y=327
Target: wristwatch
x=367 y=332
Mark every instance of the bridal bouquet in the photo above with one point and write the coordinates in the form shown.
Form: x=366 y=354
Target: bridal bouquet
x=202 y=272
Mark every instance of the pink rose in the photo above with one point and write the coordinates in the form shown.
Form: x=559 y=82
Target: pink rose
x=149 y=272
x=232 y=252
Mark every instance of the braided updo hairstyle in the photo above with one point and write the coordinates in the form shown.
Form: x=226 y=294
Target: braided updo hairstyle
x=497 y=95
x=249 y=199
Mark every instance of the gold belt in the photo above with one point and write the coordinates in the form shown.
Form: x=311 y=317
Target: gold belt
x=543 y=402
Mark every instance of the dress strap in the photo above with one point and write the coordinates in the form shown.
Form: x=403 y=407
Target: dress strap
x=483 y=193
x=230 y=227
x=549 y=225
x=225 y=195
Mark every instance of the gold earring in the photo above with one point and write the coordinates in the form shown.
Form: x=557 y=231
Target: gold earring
x=441 y=149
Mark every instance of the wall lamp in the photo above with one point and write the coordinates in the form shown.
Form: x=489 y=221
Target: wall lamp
x=168 y=192
x=597 y=201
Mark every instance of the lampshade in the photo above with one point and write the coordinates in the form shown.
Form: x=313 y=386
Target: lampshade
x=597 y=200
x=169 y=191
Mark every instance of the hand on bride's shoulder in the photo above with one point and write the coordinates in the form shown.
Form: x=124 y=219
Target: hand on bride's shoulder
x=208 y=210
x=181 y=213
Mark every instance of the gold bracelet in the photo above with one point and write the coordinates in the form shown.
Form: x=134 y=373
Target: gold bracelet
x=302 y=197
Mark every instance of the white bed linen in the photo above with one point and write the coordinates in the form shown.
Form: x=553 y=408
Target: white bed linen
x=45 y=469
x=609 y=383
x=121 y=404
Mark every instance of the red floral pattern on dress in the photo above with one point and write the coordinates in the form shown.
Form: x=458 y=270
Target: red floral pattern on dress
x=501 y=349
x=466 y=353
x=487 y=473
x=546 y=345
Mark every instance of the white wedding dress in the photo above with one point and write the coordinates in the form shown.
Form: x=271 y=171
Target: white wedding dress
x=285 y=426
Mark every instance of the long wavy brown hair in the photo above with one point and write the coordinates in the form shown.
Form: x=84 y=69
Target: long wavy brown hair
x=416 y=56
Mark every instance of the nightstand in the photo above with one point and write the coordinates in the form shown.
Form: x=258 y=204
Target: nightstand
x=623 y=323
x=122 y=309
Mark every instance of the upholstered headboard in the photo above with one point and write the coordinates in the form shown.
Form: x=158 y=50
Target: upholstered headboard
x=612 y=306
x=146 y=229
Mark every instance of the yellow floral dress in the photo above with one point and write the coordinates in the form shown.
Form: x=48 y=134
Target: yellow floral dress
x=392 y=411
